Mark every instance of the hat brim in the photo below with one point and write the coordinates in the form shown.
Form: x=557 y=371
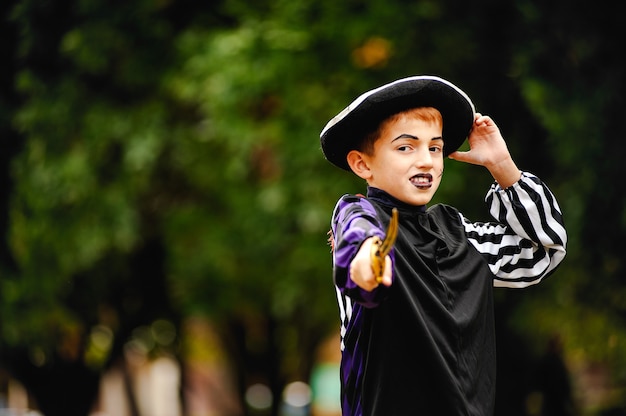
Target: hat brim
x=363 y=116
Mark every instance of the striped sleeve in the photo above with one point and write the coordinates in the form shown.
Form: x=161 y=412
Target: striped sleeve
x=527 y=241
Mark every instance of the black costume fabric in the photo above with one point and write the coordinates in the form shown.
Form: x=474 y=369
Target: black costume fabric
x=426 y=344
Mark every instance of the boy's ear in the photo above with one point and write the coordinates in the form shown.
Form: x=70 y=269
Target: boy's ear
x=358 y=163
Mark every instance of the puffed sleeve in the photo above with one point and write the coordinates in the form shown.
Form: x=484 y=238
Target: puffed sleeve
x=528 y=240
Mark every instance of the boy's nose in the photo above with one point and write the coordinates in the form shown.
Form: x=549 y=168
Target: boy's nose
x=424 y=159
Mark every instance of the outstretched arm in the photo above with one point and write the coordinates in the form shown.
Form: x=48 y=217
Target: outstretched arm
x=488 y=149
x=361 y=271
x=355 y=223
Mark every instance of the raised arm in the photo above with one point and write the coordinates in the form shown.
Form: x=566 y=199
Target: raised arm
x=528 y=240
x=488 y=149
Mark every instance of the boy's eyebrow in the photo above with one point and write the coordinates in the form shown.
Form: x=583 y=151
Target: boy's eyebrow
x=410 y=136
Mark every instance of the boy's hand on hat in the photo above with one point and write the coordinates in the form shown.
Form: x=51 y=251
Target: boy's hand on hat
x=361 y=272
x=487 y=146
x=488 y=149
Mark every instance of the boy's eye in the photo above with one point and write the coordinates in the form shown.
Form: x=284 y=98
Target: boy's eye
x=436 y=149
x=404 y=148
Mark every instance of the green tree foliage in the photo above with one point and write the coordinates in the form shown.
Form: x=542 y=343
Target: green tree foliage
x=165 y=162
x=575 y=89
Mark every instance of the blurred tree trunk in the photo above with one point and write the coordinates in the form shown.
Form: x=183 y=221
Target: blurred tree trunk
x=61 y=386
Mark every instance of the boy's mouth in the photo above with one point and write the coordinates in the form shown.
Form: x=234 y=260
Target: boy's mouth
x=422 y=180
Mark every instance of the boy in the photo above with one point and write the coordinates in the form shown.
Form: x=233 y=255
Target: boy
x=419 y=340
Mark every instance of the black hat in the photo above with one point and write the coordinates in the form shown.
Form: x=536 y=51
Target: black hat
x=345 y=131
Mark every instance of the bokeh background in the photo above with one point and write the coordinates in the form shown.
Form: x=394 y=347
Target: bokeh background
x=164 y=201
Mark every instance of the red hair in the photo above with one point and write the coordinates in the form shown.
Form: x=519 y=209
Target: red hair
x=425 y=114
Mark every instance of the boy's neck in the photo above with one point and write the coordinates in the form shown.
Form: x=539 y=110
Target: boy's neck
x=383 y=197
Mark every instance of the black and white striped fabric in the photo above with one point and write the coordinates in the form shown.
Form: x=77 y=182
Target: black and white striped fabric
x=532 y=245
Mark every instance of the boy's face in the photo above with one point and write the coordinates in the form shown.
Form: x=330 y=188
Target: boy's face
x=407 y=161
